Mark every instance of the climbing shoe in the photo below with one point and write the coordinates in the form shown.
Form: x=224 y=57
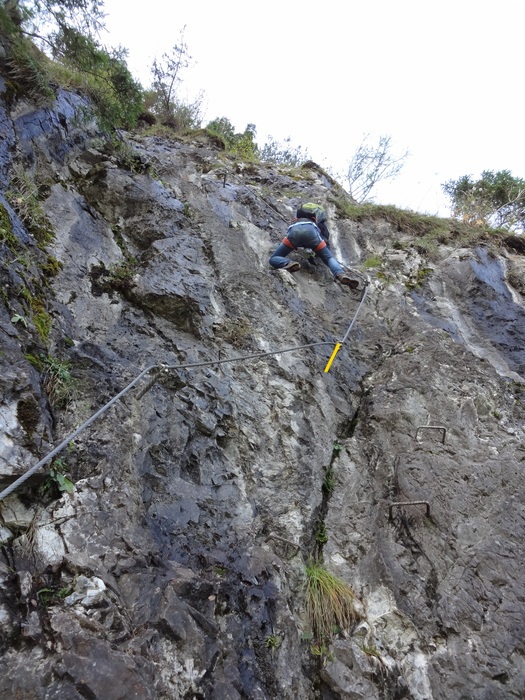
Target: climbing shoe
x=292 y=266
x=348 y=281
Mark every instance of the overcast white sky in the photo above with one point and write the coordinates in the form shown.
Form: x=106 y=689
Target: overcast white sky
x=443 y=79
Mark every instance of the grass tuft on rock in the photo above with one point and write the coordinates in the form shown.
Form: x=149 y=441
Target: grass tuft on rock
x=330 y=603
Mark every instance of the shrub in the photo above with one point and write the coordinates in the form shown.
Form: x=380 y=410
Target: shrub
x=497 y=198
x=241 y=145
x=104 y=76
x=163 y=101
x=25 y=66
x=79 y=62
x=283 y=153
x=57 y=479
x=185 y=116
x=24 y=197
x=7 y=235
x=57 y=380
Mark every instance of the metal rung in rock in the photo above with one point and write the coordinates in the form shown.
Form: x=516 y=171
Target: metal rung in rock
x=408 y=503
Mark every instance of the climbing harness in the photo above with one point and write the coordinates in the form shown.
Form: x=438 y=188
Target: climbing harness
x=288 y=243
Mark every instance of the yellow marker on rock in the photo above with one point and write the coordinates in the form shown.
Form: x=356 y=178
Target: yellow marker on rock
x=332 y=357
x=338 y=345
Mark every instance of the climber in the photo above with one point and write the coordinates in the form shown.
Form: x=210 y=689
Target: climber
x=305 y=232
x=320 y=218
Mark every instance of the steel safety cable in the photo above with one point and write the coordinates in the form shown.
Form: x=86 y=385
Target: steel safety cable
x=164 y=367
x=161 y=367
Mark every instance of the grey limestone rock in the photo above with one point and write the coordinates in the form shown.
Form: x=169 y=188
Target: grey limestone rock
x=175 y=566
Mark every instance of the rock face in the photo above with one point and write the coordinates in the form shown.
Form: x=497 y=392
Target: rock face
x=162 y=553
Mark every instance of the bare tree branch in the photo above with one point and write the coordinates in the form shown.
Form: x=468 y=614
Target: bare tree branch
x=372 y=164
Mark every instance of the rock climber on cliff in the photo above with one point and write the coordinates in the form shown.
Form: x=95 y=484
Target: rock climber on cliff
x=309 y=230
x=320 y=219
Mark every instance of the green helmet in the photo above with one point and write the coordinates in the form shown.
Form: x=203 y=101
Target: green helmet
x=306 y=211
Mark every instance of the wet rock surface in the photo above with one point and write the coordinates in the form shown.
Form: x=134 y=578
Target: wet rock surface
x=175 y=565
